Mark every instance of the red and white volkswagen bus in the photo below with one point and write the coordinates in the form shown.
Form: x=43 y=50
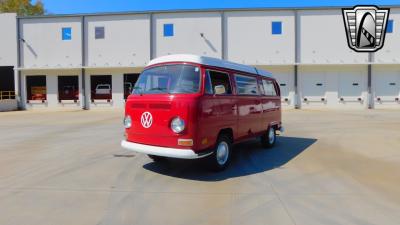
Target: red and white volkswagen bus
x=188 y=106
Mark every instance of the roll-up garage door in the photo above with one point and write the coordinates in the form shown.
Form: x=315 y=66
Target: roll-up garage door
x=351 y=86
x=387 y=86
x=313 y=87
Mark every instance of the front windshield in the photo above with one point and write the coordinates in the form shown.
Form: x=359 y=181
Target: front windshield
x=172 y=79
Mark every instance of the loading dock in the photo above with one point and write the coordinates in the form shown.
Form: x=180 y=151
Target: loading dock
x=36 y=90
x=7 y=82
x=313 y=88
x=101 y=88
x=351 y=87
x=129 y=82
x=386 y=87
x=68 y=89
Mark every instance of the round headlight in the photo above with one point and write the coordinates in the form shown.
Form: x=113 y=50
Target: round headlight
x=177 y=125
x=127 y=122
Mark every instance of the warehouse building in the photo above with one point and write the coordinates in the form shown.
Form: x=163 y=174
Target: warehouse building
x=93 y=60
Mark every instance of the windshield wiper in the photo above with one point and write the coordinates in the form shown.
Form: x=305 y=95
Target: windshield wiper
x=159 y=89
x=138 y=88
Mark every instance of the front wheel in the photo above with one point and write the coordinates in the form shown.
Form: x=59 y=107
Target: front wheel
x=268 y=139
x=221 y=156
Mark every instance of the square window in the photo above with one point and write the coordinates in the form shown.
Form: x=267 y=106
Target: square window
x=276 y=27
x=389 y=26
x=99 y=33
x=168 y=30
x=66 y=33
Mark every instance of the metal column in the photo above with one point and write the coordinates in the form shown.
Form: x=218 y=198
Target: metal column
x=297 y=44
x=370 y=97
x=85 y=105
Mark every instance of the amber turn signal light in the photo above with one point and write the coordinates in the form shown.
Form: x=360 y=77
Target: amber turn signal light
x=185 y=142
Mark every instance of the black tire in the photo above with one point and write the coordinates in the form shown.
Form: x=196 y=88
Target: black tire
x=268 y=139
x=157 y=158
x=217 y=162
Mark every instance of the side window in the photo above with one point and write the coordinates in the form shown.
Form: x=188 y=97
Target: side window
x=99 y=33
x=219 y=78
x=269 y=88
x=207 y=85
x=276 y=27
x=246 y=85
x=261 y=87
x=389 y=26
x=66 y=33
x=168 y=30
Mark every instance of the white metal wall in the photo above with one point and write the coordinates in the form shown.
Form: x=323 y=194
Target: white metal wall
x=187 y=30
x=391 y=49
x=126 y=41
x=44 y=47
x=8 y=43
x=323 y=39
x=249 y=38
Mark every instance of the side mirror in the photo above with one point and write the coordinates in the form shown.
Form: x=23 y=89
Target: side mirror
x=219 y=89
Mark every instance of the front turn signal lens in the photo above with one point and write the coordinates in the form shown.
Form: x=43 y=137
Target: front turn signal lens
x=185 y=142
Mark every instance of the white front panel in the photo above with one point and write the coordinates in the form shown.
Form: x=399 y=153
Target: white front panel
x=187 y=30
x=391 y=48
x=126 y=41
x=250 y=39
x=44 y=47
x=8 y=43
x=323 y=38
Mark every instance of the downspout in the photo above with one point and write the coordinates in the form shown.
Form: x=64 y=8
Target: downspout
x=370 y=97
x=85 y=105
x=19 y=75
x=297 y=101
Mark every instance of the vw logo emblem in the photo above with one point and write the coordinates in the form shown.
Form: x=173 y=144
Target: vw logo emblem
x=146 y=119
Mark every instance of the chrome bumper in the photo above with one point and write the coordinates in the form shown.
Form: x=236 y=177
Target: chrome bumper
x=162 y=151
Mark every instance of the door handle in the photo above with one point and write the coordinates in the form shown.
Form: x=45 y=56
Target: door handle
x=234 y=107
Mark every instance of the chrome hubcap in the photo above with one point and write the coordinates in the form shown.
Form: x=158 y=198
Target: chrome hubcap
x=271 y=135
x=222 y=153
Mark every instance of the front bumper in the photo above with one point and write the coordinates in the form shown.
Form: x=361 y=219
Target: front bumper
x=163 y=151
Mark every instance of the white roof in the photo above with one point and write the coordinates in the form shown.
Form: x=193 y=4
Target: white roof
x=210 y=62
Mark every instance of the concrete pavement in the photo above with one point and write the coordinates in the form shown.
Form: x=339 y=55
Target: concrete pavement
x=330 y=167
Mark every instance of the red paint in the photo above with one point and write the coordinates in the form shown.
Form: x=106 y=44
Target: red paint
x=205 y=115
x=69 y=93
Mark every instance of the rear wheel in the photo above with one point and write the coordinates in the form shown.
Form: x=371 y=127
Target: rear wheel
x=268 y=139
x=156 y=158
x=221 y=156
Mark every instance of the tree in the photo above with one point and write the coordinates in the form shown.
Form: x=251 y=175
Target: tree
x=22 y=7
